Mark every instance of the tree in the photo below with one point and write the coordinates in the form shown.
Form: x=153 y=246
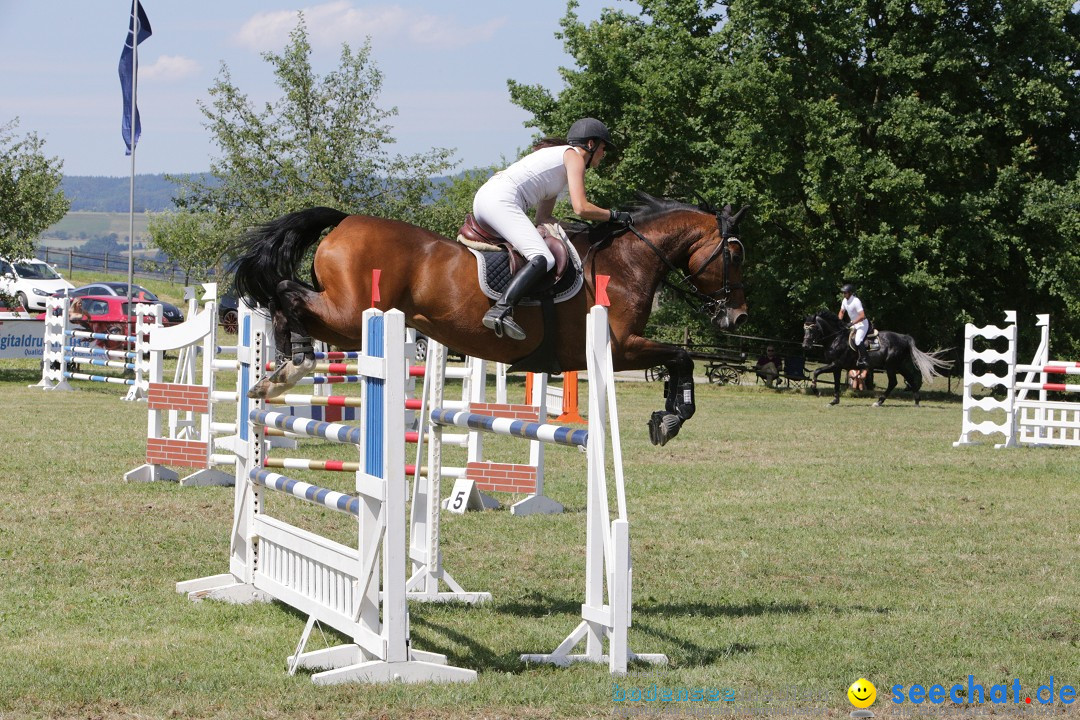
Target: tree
x=453 y=200
x=30 y=195
x=190 y=240
x=924 y=149
x=323 y=142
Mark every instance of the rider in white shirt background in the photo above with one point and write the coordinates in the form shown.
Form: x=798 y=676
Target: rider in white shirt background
x=853 y=306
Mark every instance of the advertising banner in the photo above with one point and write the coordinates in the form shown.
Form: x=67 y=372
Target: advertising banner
x=20 y=337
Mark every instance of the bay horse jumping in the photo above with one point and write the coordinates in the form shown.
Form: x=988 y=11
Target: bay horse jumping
x=896 y=353
x=433 y=280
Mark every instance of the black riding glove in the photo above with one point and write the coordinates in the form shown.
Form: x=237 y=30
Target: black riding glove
x=621 y=216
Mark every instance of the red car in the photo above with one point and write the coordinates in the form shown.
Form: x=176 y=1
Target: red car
x=109 y=314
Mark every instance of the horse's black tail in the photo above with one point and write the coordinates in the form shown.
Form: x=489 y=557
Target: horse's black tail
x=273 y=252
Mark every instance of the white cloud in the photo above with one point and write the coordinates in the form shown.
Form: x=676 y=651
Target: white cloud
x=333 y=23
x=169 y=67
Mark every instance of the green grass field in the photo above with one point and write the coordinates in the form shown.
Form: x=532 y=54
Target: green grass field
x=778 y=544
x=92 y=224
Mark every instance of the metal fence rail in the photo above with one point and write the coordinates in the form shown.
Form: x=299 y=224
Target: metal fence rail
x=72 y=260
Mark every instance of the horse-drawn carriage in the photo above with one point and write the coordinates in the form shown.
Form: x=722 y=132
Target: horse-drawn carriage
x=725 y=366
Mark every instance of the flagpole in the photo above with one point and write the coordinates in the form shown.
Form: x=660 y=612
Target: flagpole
x=131 y=188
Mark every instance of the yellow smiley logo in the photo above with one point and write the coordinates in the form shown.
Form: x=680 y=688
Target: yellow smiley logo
x=862 y=693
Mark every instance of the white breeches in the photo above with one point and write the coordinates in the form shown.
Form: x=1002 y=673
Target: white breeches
x=496 y=206
x=860 y=331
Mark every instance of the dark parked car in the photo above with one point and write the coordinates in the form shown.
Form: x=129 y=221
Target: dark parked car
x=228 y=309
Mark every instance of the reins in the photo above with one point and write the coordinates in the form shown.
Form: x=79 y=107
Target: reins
x=711 y=303
x=823 y=338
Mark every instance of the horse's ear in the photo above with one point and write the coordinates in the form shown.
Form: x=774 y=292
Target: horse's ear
x=739 y=215
x=728 y=222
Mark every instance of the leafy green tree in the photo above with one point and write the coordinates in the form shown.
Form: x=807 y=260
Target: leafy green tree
x=30 y=195
x=453 y=199
x=324 y=141
x=926 y=150
x=189 y=239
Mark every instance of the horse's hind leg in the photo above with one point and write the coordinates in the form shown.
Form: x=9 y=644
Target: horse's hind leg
x=295 y=351
x=888 y=391
x=913 y=378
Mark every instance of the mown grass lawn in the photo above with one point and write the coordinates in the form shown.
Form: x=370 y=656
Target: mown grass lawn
x=777 y=543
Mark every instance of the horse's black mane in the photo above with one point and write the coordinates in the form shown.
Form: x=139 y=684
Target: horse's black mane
x=827 y=315
x=644 y=208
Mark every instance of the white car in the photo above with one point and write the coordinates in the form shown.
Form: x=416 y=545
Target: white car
x=30 y=282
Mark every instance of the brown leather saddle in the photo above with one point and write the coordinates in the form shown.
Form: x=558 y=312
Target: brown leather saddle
x=473 y=232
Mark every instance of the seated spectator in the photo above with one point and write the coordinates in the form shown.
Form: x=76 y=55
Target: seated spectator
x=769 y=366
x=77 y=315
x=860 y=379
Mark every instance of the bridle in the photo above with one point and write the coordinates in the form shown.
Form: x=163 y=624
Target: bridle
x=807 y=326
x=715 y=304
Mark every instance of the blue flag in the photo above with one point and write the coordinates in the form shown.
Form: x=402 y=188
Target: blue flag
x=127 y=76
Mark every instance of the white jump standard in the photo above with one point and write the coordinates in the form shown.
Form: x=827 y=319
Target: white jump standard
x=1027 y=420
x=358 y=590
x=604 y=615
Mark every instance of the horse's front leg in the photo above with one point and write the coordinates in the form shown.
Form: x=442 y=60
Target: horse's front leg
x=638 y=353
x=836 y=386
x=679 y=403
x=836 y=381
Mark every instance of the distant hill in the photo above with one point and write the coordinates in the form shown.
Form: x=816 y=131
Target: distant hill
x=90 y=193
x=153 y=193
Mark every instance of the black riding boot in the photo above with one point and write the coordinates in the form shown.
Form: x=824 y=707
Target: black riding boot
x=500 y=318
x=862 y=361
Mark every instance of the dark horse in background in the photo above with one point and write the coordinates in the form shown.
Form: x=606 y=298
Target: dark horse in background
x=433 y=280
x=895 y=353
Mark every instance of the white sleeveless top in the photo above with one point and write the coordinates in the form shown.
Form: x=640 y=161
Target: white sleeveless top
x=540 y=175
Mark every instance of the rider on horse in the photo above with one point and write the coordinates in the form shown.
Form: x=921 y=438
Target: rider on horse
x=853 y=306
x=535 y=181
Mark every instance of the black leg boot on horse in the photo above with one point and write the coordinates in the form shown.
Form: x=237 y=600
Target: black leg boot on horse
x=289 y=369
x=500 y=317
x=680 y=407
x=862 y=363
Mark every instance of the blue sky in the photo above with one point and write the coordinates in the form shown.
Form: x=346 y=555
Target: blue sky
x=445 y=66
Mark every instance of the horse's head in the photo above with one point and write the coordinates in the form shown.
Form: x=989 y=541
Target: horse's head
x=699 y=244
x=811 y=332
x=713 y=265
x=718 y=263
x=819 y=327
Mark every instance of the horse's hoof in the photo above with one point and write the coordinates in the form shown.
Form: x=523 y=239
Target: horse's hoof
x=834 y=401
x=663 y=426
x=260 y=391
x=879 y=403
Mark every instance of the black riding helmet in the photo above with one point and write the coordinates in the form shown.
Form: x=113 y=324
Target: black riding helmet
x=848 y=288
x=588 y=128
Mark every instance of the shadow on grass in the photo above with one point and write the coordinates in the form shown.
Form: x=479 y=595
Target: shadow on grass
x=483 y=658
x=19 y=375
x=478 y=656
x=464 y=650
x=538 y=605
